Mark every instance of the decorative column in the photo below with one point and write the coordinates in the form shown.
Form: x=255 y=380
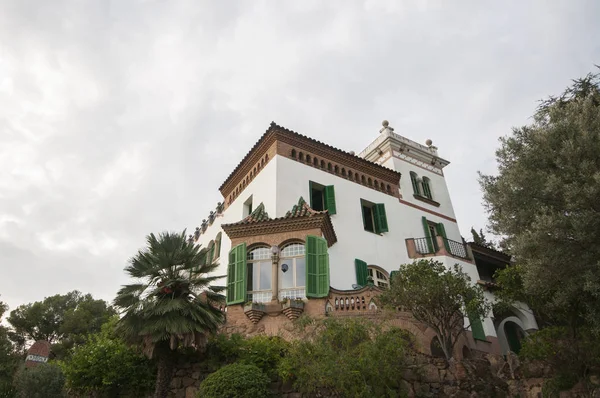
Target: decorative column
x=275 y=273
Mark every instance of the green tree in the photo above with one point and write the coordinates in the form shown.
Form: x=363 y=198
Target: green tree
x=350 y=358
x=8 y=358
x=439 y=297
x=105 y=366
x=172 y=304
x=480 y=239
x=42 y=381
x=544 y=203
x=62 y=320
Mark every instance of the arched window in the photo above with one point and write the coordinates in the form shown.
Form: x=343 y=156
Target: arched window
x=294 y=153
x=307 y=158
x=322 y=164
x=370 y=181
x=427 y=188
x=343 y=172
x=363 y=179
x=210 y=254
x=414 y=179
x=380 y=277
x=389 y=189
x=350 y=175
x=376 y=184
x=292 y=272
x=336 y=169
x=315 y=162
x=300 y=156
x=218 y=245
x=329 y=166
x=259 y=275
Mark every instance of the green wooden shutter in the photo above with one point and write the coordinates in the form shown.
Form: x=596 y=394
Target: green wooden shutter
x=381 y=224
x=317 y=267
x=427 y=235
x=210 y=253
x=415 y=183
x=218 y=245
x=310 y=193
x=236 y=275
x=330 y=199
x=477 y=328
x=361 y=272
x=442 y=232
x=393 y=275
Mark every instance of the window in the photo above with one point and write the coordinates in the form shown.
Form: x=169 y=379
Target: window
x=259 y=275
x=322 y=197
x=248 y=207
x=373 y=273
x=432 y=231
x=374 y=217
x=379 y=277
x=292 y=272
x=427 y=188
x=414 y=179
x=218 y=245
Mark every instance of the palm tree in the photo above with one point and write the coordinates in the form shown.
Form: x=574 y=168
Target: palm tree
x=172 y=304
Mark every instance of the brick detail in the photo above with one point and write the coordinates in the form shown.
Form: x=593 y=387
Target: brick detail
x=276 y=239
x=280 y=141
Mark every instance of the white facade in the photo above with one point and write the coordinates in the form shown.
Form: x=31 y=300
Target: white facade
x=283 y=181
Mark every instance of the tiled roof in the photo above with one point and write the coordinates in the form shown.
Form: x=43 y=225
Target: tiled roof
x=300 y=217
x=274 y=127
x=301 y=209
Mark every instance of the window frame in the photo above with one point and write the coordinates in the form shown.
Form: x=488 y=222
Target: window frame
x=372 y=271
x=378 y=216
x=293 y=267
x=327 y=196
x=264 y=295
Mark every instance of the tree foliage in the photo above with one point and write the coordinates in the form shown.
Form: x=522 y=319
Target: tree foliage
x=105 y=366
x=8 y=358
x=439 y=297
x=42 y=381
x=349 y=358
x=172 y=303
x=62 y=320
x=236 y=380
x=480 y=239
x=544 y=202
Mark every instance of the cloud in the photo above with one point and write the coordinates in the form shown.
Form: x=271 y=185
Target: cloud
x=122 y=118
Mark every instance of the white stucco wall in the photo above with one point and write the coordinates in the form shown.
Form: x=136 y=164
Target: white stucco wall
x=387 y=250
x=262 y=189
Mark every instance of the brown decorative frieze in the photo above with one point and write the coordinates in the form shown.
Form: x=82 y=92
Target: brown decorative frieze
x=278 y=140
x=282 y=225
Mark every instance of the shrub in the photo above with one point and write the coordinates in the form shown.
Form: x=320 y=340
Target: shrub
x=42 y=381
x=352 y=358
x=235 y=381
x=571 y=357
x=265 y=352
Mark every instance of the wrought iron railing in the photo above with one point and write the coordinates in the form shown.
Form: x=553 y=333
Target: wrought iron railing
x=424 y=245
x=455 y=248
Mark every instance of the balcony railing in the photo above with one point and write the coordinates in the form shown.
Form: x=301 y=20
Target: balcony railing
x=424 y=245
x=438 y=246
x=455 y=248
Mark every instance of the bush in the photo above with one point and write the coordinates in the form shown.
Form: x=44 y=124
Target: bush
x=43 y=381
x=107 y=366
x=571 y=357
x=265 y=352
x=235 y=381
x=350 y=358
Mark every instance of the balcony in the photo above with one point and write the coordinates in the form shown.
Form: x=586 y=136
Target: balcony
x=436 y=246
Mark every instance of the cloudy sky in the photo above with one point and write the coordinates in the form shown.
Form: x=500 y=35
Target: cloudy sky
x=119 y=118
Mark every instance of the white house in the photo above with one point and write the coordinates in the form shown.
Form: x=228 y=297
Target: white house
x=301 y=219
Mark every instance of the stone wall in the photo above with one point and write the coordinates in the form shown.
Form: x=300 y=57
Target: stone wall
x=484 y=377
